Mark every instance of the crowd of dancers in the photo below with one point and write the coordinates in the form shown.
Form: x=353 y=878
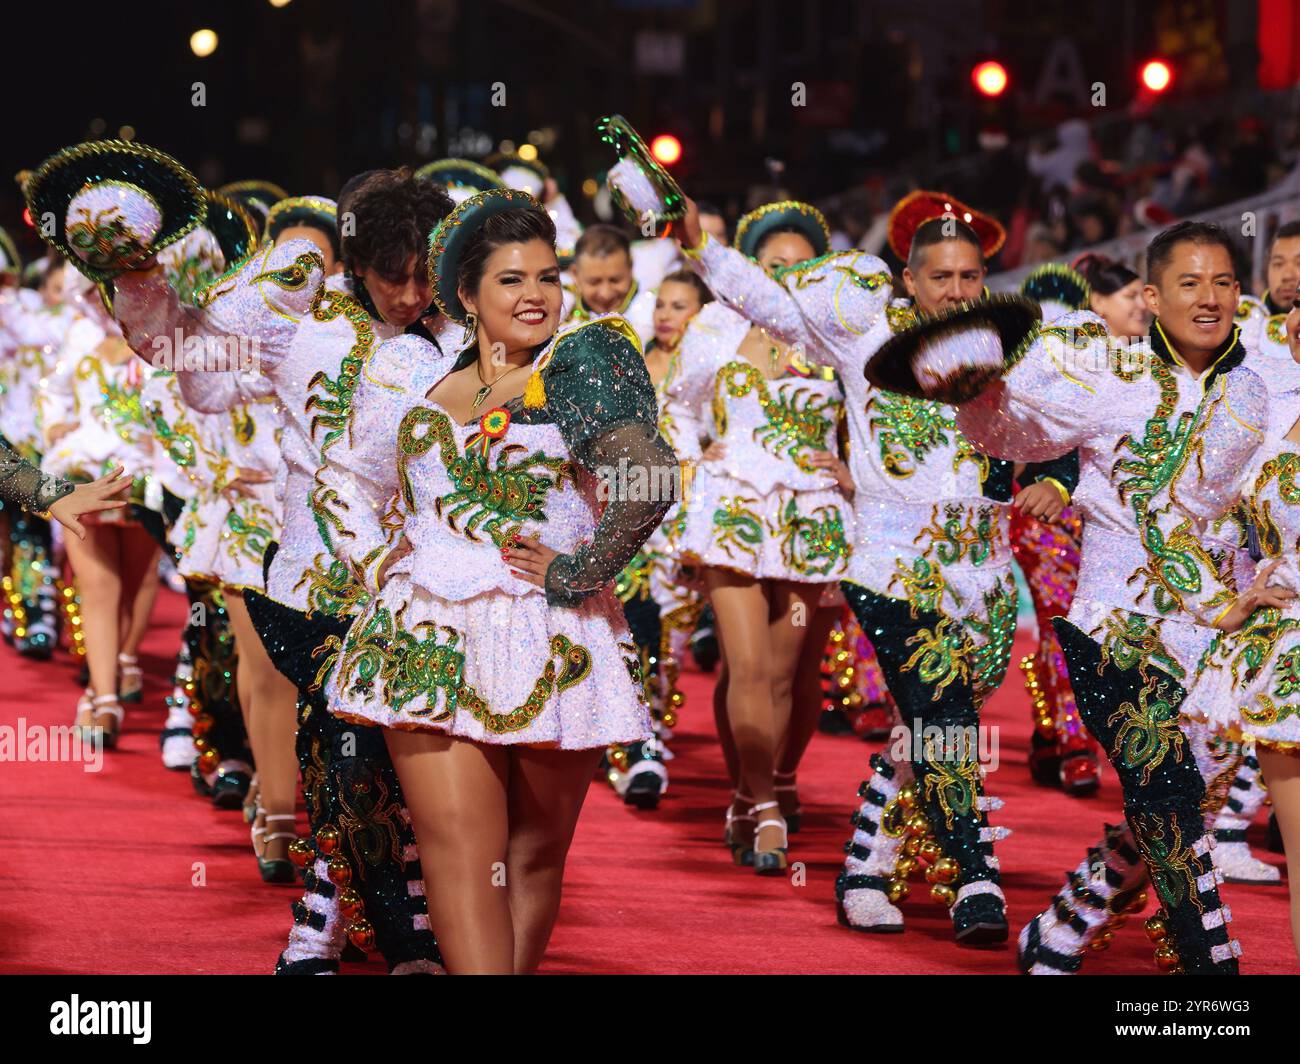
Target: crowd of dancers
x=452 y=485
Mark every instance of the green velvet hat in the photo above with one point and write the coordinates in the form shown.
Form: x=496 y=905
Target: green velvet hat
x=461 y=177
x=315 y=211
x=953 y=355
x=231 y=224
x=787 y=214
x=637 y=182
x=109 y=205
x=452 y=235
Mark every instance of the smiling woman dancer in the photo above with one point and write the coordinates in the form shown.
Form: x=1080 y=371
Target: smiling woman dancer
x=492 y=650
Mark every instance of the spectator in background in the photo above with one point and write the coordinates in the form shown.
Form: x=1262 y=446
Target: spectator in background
x=1057 y=168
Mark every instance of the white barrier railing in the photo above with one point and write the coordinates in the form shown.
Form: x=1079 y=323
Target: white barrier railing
x=1250 y=222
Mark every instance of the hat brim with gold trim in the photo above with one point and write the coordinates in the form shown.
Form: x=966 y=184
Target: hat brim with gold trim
x=917 y=208
x=462 y=178
x=255 y=196
x=639 y=186
x=952 y=356
x=315 y=211
x=11 y=263
x=804 y=218
x=448 y=241
x=525 y=175
x=1054 y=282
x=133 y=200
x=232 y=225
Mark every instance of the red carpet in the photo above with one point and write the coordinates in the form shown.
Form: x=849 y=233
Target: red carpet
x=128 y=871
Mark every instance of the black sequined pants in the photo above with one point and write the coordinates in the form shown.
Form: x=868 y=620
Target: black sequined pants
x=362 y=883
x=949 y=786
x=1133 y=713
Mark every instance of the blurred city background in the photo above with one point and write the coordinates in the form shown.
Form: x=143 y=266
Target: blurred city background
x=1074 y=123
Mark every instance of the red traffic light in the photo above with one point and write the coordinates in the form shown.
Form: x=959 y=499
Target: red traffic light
x=990 y=78
x=1156 y=75
x=666 y=149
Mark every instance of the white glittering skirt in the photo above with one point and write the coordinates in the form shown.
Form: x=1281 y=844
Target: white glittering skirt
x=1248 y=682
x=496 y=668
x=803 y=536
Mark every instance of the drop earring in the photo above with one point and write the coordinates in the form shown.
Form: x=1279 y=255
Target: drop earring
x=471 y=330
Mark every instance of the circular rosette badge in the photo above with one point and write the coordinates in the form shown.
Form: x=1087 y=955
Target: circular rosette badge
x=494 y=423
x=111 y=225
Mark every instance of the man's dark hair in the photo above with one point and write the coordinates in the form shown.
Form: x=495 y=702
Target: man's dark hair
x=518 y=226
x=1291 y=229
x=391 y=214
x=601 y=240
x=936 y=231
x=1161 y=249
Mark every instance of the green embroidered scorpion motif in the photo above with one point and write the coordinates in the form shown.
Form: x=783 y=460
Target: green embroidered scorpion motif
x=247 y=534
x=736 y=525
x=1149 y=731
x=909 y=429
x=954 y=778
x=1259 y=510
x=414 y=664
x=1249 y=648
x=815 y=544
x=1152 y=462
x=942 y=655
x=332 y=588
x=924 y=586
x=369 y=817
x=964 y=532
x=1130 y=639
x=120 y=408
x=498 y=497
x=633 y=583
x=177 y=440
x=1169 y=859
x=798 y=420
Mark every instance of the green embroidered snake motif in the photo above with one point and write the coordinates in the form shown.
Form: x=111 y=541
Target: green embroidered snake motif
x=498 y=497
x=964 y=532
x=797 y=422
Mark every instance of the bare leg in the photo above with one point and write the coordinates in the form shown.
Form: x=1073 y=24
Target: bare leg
x=96 y=563
x=806 y=710
x=741 y=607
x=1281 y=770
x=272 y=720
x=547 y=788
x=794 y=617
x=456 y=792
x=140 y=571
